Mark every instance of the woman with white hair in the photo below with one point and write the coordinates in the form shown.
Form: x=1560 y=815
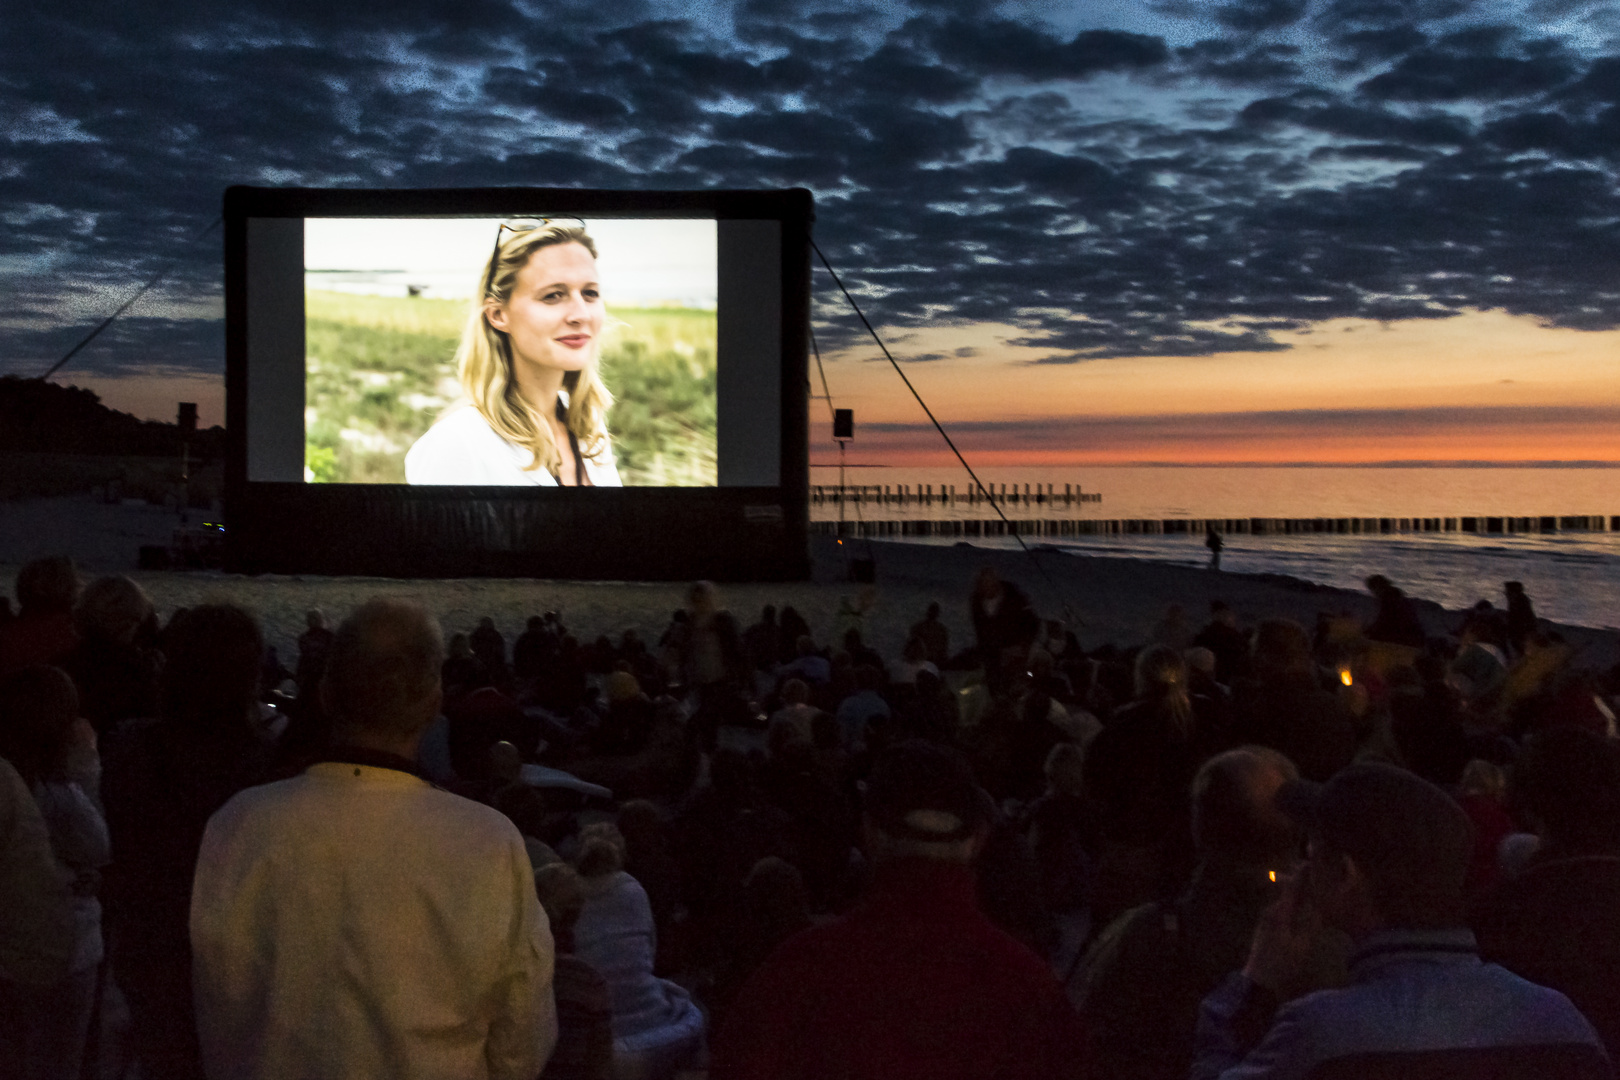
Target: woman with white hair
x=528 y=363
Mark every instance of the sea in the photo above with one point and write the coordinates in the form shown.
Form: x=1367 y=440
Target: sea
x=1572 y=577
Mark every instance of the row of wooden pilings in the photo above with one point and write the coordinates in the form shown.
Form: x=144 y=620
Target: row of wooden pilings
x=947 y=495
x=1240 y=526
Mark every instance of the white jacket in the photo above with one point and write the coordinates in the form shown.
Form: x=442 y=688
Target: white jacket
x=356 y=921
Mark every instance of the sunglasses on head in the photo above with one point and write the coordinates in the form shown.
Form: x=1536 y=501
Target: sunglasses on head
x=520 y=225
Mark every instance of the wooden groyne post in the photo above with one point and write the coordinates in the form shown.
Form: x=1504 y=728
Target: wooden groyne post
x=1482 y=524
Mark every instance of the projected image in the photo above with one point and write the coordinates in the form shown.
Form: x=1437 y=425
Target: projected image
x=522 y=351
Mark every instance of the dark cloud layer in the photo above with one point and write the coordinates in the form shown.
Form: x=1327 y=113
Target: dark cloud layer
x=1109 y=192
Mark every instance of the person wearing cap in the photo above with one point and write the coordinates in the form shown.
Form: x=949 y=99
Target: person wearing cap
x=914 y=981
x=1388 y=855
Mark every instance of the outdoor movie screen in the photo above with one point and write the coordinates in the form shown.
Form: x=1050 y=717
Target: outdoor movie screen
x=520 y=350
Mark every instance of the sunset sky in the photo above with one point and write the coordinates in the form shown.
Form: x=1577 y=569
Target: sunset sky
x=1110 y=232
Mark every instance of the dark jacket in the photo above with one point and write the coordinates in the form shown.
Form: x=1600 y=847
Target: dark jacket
x=1558 y=924
x=1141 y=983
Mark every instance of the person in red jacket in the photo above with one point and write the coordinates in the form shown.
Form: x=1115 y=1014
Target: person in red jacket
x=914 y=982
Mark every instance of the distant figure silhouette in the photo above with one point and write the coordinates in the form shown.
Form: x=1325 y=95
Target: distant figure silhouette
x=1521 y=617
x=1397 y=620
x=1213 y=541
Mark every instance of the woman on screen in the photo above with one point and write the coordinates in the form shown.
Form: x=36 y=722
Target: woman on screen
x=537 y=409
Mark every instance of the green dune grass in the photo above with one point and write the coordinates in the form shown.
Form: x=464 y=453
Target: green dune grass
x=380 y=371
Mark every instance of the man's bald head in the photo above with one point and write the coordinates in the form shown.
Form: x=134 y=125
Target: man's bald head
x=382 y=675
x=1234 y=814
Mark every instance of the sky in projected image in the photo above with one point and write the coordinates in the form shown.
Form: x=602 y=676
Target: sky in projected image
x=1253 y=230
x=641 y=262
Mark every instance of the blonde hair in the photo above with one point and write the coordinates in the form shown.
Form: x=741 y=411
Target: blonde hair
x=1161 y=678
x=484 y=361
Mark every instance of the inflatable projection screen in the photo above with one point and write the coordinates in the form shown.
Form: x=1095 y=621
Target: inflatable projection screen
x=527 y=382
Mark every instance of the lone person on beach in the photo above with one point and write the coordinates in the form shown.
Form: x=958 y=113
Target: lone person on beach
x=1521 y=617
x=1213 y=541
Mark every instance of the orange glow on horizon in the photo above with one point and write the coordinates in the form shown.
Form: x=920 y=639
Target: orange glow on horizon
x=1493 y=363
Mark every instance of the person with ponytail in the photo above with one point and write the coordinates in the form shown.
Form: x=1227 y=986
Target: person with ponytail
x=536 y=409
x=1136 y=776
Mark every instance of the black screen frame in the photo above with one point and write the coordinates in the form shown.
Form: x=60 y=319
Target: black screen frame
x=631 y=534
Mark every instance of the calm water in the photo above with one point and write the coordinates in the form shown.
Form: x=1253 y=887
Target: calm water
x=1571 y=577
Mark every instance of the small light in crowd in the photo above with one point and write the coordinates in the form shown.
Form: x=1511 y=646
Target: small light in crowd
x=1344 y=676
x=1273 y=874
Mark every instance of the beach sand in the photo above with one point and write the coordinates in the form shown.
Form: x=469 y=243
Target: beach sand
x=1103 y=599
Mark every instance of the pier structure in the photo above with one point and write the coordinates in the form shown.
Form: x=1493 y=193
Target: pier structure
x=909 y=497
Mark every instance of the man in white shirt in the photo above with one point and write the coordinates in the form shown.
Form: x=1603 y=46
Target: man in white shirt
x=356 y=921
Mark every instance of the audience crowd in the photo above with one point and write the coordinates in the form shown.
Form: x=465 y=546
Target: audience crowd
x=772 y=850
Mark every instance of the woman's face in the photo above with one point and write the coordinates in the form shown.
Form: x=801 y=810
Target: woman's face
x=554 y=316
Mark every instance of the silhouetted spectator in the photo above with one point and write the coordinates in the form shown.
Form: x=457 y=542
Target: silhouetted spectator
x=1558 y=921
x=1222 y=637
x=725 y=829
x=775 y=907
x=796 y=711
x=793 y=627
x=463 y=672
x=115 y=664
x=762 y=642
x=38 y=720
x=914 y=981
x=932 y=713
x=861 y=712
x=1009 y=889
x=314 y=644
x=649 y=857
x=1062 y=830
x=1004 y=625
x=1136 y=774
x=489 y=646
x=1480 y=665
x=934 y=635
x=1140 y=984
x=820 y=829
x=1283 y=704
x=629 y=719
x=1426 y=720
x=530 y=648
x=481 y=719
x=1521 y=617
x=584 y=1048
x=162 y=782
x=1482 y=793
x=1397 y=620
x=37 y=935
x=1172 y=630
x=657 y=1028
x=43 y=631
x=706 y=652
